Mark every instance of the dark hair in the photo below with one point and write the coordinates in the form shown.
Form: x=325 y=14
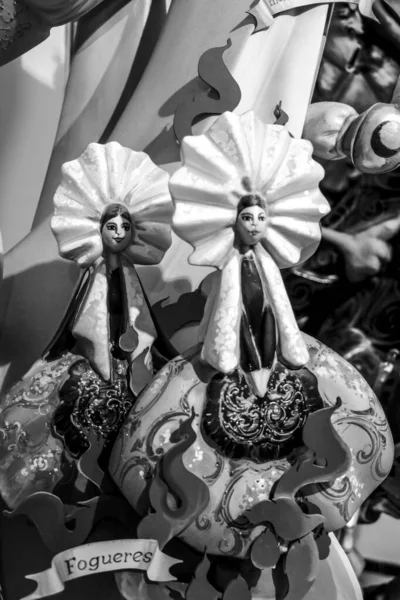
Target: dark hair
x=250 y=200
x=113 y=210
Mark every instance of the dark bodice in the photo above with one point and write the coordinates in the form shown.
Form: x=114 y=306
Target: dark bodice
x=88 y=403
x=116 y=302
x=235 y=421
x=257 y=330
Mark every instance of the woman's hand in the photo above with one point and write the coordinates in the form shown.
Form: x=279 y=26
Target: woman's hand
x=366 y=252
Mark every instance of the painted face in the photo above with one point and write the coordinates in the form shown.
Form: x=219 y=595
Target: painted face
x=251 y=225
x=116 y=234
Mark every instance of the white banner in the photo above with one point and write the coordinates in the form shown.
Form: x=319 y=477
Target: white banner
x=275 y=7
x=100 y=557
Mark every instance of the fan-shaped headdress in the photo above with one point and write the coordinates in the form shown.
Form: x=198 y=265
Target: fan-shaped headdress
x=236 y=157
x=103 y=175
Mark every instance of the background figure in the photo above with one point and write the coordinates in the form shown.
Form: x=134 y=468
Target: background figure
x=348 y=294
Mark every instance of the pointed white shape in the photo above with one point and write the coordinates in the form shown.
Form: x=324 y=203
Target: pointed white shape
x=258 y=381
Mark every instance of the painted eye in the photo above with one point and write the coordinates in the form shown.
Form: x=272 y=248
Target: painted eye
x=126 y=227
x=111 y=228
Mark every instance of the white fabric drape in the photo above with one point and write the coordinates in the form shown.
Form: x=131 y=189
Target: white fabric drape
x=273 y=65
x=31 y=95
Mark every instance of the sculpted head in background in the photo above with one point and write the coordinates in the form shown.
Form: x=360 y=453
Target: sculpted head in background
x=116 y=228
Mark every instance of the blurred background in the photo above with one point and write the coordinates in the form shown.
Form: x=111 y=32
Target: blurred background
x=348 y=294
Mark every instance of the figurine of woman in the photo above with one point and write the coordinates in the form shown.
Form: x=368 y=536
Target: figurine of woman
x=112 y=212
x=257 y=226
x=257 y=322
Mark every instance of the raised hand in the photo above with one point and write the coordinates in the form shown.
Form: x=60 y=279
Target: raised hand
x=365 y=253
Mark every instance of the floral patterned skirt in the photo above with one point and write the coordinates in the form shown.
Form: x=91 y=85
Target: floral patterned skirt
x=48 y=421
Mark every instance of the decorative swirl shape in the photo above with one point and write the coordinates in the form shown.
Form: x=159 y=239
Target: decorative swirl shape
x=20 y=440
x=134 y=463
x=200 y=587
x=47 y=513
x=232 y=543
x=203 y=523
x=172 y=478
x=340 y=493
x=214 y=73
x=155 y=455
x=372 y=451
x=223 y=513
x=324 y=442
x=240 y=524
x=219 y=467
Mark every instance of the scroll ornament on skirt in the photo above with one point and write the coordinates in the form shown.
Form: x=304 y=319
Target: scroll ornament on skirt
x=237 y=157
x=106 y=175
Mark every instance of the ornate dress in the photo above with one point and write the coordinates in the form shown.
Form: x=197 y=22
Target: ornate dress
x=248 y=331
x=101 y=356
